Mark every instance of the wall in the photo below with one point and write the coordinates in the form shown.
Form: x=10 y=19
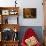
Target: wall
x=27 y=4
x=32 y=4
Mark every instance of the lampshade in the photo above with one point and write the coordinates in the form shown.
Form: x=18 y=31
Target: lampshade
x=15 y=30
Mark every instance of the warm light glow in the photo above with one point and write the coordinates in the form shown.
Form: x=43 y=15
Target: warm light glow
x=15 y=30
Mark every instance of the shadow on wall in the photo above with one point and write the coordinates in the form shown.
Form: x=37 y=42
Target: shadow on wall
x=37 y=29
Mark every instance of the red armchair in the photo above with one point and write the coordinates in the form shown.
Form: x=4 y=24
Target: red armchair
x=30 y=38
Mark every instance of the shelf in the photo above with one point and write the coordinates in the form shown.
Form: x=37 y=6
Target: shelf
x=11 y=26
x=9 y=10
x=9 y=20
x=11 y=41
x=9 y=15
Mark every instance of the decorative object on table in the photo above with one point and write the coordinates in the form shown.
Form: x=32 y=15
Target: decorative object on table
x=30 y=38
x=29 y=12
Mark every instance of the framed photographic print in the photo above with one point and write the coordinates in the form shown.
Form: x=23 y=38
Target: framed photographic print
x=5 y=12
x=29 y=12
x=13 y=12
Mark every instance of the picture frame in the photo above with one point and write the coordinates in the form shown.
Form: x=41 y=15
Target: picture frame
x=13 y=12
x=29 y=12
x=5 y=12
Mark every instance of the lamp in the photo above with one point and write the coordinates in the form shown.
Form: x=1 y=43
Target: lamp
x=15 y=30
x=15 y=37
